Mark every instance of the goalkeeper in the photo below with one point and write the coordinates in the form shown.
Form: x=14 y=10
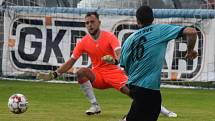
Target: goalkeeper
x=104 y=50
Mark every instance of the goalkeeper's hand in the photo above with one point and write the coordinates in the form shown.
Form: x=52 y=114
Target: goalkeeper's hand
x=47 y=76
x=109 y=59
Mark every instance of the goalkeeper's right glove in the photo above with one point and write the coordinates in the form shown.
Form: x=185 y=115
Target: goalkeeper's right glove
x=47 y=76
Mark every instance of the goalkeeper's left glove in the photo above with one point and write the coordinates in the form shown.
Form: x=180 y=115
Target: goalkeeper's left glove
x=47 y=76
x=109 y=59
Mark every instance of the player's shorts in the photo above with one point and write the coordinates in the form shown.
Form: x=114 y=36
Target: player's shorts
x=146 y=104
x=109 y=79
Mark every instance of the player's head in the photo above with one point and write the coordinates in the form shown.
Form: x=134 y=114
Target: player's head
x=92 y=22
x=144 y=16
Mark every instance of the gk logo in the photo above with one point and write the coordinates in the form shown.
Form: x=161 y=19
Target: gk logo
x=42 y=47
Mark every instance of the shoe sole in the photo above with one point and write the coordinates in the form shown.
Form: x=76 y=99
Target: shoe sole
x=93 y=113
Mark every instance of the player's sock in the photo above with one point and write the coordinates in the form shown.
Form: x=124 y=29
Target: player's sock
x=164 y=111
x=168 y=113
x=88 y=91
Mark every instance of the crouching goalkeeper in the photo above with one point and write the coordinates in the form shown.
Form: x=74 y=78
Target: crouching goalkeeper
x=103 y=48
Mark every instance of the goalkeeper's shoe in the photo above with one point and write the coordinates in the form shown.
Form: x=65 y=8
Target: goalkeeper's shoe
x=172 y=114
x=94 y=109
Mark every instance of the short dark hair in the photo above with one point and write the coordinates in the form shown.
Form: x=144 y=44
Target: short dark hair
x=144 y=15
x=92 y=13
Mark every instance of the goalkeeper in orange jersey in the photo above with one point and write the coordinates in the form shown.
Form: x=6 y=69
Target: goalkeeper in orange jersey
x=103 y=48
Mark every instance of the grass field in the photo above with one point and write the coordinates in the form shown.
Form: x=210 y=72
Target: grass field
x=65 y=102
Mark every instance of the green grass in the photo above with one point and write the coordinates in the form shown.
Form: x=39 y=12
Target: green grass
x=66 y=102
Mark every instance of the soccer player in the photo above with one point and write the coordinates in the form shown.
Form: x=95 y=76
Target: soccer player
x=163 y=110
x=104 y=49
x=142 y=57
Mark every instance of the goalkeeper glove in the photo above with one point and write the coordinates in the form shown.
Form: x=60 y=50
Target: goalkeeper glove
x=109 y=59
x=47 y=76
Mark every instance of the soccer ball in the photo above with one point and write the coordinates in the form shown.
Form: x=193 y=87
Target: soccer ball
x=17 y=103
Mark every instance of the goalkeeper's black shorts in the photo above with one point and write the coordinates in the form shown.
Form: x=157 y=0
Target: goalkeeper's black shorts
x=146 y=104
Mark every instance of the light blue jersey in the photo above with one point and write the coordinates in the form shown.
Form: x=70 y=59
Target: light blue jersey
x=143 y=54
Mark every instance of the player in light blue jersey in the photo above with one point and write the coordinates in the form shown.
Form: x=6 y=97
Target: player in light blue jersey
x=142 y=58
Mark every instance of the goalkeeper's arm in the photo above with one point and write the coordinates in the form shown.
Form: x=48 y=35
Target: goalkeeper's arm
x=118 y=54
x=66 y=66
x=62 y=69
x=110 y=59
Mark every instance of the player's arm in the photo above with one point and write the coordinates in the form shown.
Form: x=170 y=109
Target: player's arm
x=54 y=74
x=77 y=52
x=66 y=66
x=117 y=53
x=190 y=34
x=110 y=59
x=114 y=42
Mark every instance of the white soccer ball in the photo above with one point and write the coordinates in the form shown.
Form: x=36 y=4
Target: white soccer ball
x=17 y=103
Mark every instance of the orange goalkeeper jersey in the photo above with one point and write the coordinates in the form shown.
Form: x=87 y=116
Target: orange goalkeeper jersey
x=106 y=44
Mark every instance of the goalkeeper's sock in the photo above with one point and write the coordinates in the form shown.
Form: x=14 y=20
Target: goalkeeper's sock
x=164 y=111
x=88 y=91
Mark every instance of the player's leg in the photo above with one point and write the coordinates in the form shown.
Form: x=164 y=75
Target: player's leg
x=125 y=90
x=145 y=106
x=167 y=113
x=117 y=79
x=84 y=76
